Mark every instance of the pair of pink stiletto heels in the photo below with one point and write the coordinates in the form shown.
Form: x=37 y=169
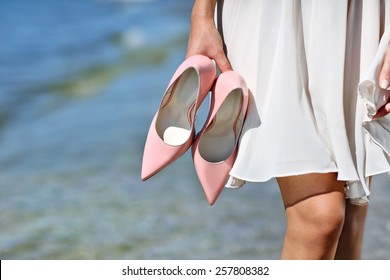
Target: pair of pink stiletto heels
x=172 y=131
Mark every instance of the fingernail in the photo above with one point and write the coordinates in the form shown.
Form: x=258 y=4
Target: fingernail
x=384 y=84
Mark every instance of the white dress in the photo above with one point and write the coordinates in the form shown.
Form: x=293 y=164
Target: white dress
x=303 y=60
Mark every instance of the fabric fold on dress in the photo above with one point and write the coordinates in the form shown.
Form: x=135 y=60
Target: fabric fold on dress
x=377 y=130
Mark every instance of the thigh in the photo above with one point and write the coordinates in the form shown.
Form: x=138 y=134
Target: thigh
x=310 y=187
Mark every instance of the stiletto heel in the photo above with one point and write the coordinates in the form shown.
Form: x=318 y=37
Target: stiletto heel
x=171 y=132
x=215 y=147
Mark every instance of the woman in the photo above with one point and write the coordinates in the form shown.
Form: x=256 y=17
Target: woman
x=303 y=61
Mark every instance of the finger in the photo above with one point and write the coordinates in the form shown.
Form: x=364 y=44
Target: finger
x=383 y=111
x=384 y=76
x=222 y=62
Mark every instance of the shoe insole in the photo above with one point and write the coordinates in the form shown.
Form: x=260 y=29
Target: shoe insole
x=177 y=110
x=219 y=140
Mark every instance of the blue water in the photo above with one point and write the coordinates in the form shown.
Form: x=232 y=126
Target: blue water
x=80 y=81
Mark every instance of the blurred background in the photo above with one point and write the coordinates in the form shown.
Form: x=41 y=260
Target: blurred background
x=80 y=81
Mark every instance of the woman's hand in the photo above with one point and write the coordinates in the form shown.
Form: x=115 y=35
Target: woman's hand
x=205 y=39
x=384 y=80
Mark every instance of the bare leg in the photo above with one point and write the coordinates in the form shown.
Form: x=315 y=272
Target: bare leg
x=351 y=239
x=315 y=209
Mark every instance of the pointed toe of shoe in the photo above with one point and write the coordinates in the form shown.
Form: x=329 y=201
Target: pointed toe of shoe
x=150 y=165
x=212 y=175
x=158 y=154
x=212 y=188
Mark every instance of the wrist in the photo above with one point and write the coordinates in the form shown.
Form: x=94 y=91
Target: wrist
x=202 y=18
x=203 y=10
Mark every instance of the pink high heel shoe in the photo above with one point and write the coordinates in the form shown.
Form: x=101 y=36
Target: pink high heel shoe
x=171 y=132
x=215 y=147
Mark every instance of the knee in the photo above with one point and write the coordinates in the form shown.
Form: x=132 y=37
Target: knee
x=326 y=224
x=322 y=224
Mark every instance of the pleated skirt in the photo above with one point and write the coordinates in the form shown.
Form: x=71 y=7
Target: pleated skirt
x=303 y=61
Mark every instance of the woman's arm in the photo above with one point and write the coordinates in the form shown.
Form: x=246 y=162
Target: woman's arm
x=384 y=80
x=204 y=37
